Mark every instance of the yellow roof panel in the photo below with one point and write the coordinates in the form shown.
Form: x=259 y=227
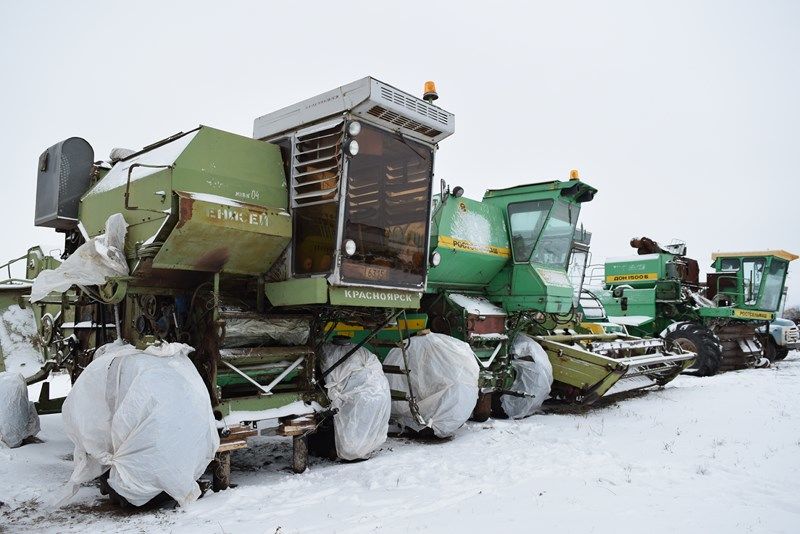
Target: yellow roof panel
x=788 y=256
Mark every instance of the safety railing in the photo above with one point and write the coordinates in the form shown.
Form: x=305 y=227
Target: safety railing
x=7 y=267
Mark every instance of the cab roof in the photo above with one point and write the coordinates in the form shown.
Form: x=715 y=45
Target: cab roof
x=782 y=254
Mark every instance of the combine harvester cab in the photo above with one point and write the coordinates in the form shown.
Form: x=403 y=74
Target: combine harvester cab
x=535 y=289
x=658 y=293
x=745 y=293
x=247 y=249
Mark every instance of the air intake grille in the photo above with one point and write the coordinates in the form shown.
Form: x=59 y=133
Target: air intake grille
x=414 y=104
x=317 y=166
x=405 y=122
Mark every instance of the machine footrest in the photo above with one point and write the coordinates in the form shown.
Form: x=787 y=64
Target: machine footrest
x=399 y=395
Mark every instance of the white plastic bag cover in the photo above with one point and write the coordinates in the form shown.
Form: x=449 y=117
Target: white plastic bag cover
x=250 y=331
x=359 y=390
x=91 y=264
x=534 y=376
x=146 y=416
x=444 y=378
x=18 y=417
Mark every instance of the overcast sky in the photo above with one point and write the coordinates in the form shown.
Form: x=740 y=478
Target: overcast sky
x=684 y=115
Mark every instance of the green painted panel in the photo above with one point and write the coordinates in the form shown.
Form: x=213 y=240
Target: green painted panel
x=215 y=235
x=637 y=271
x=262 y=376
x=144 y=222
x=638 y=303
x=298 y=291
x=373 y=297
x=232 y=166
x=472 y=239
x=532 y=287
x=257 y=403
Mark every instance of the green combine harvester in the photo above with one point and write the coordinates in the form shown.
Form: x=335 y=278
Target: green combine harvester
x=657 y=293
x=248 y=248
x=13 y=290
x=499 y=269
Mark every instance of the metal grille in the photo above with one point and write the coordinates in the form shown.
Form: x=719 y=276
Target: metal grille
x=405 y=122
x=317 y=166
x=793 y=335
x=414 y=104
x=63 y=175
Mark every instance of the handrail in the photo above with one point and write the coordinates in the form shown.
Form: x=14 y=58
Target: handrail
x=8 y=265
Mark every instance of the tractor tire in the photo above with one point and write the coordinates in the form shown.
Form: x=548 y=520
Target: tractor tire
x=772 y=351
x=697 y=338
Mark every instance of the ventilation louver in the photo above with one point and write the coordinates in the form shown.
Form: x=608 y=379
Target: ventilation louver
x=405 y=122
x=317 y=166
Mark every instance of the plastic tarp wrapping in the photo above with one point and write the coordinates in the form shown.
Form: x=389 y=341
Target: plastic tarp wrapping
x=146 y=417
x=253 y=331
x=18 y=417
x=358 y=389
x=444 y=380
x=534 y=377
x=92 y=263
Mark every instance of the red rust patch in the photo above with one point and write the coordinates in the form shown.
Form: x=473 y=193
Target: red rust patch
x=185 y=206
x=213 y=260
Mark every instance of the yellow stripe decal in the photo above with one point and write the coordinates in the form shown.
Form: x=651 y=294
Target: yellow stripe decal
x=612 y=278
x=411 y=324
x=753 y=314
x=446 y=241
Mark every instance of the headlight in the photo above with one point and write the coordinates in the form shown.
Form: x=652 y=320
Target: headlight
x=354 y=128
x=349 y=247
x=436 y=259
x=352 y=147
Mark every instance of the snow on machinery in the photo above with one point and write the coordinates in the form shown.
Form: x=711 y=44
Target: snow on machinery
x=247 y=248
x=20 y=273
x=499 y=269
x=657 y=293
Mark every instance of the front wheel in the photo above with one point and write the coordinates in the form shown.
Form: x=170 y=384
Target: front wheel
x=696 y=338
x=772 y=351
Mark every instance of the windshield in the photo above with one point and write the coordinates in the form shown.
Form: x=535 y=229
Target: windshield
x=549 y=238
x=552 y=249
x=387 y=211
x=526 y=220
x=773 y=285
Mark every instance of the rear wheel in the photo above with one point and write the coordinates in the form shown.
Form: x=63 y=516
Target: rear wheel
x=696 y=338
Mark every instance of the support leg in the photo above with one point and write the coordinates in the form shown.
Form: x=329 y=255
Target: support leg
x=222 y=471
x=299 y=453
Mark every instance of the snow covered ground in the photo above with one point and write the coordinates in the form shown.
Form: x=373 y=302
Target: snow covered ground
x=719 y=454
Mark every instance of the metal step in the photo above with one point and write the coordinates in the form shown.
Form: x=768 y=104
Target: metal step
x=394 y=370
x=398 y=395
